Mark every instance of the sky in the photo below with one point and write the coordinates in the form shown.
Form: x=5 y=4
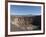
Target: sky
x=24 y=10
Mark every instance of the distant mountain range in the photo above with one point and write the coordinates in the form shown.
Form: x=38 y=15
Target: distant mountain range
x=26 y=15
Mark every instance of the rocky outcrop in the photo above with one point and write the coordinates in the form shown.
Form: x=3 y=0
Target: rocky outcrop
x=22 y=23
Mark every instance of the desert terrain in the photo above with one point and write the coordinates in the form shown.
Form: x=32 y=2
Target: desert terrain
x=25 y=23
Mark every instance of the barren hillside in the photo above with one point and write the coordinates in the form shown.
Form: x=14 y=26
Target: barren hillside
x=25 y=23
